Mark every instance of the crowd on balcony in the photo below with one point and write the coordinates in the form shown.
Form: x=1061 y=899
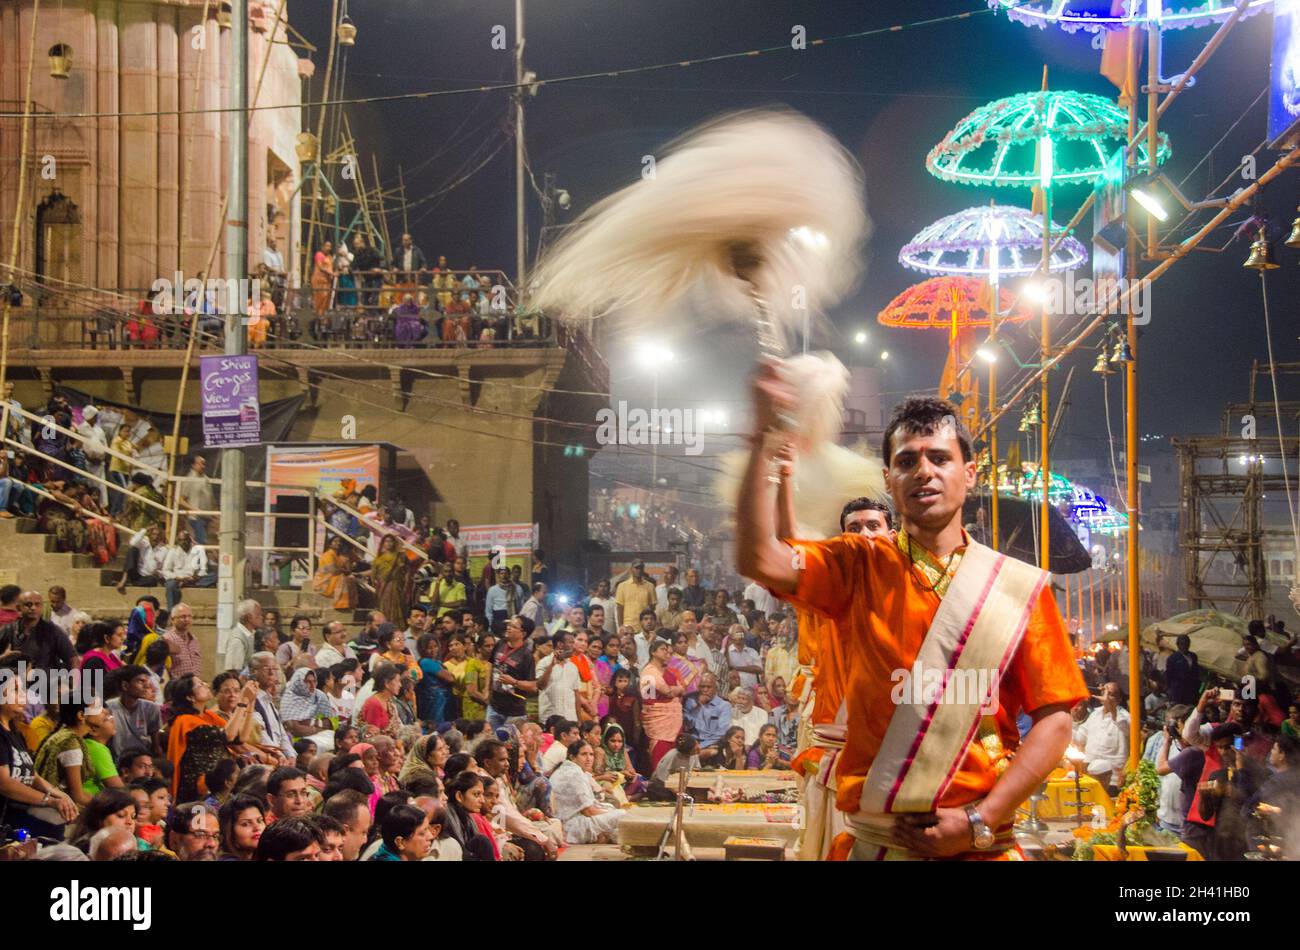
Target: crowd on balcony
x=355 y=297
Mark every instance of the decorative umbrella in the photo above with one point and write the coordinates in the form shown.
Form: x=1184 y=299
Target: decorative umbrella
x=959 y=305
x=988 y=241
x=1094 y=15
x=998 y=143
x=1019 y=539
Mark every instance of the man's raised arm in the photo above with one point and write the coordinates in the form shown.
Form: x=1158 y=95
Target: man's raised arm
x=758 y=553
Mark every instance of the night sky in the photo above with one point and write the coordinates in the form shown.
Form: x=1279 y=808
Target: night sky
x=888 y=98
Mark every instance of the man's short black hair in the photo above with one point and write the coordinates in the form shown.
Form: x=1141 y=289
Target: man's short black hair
x=867 y=504
x=285 y=773
x=925 y=415
x=286 y=836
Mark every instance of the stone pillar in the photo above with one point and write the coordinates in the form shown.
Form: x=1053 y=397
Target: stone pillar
x=138 y=52
x=169 y=99
x=107 y=235
x=200 y=137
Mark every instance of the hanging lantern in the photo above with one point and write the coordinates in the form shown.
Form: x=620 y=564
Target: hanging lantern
x=1261 y=254
x=1123 y=353
x=306 y=68
x=347 y=31
x=224 y=16
x=307 y=147
x=60 y=60
x=1293 y=239
x=1102 y=367
x=331 y=204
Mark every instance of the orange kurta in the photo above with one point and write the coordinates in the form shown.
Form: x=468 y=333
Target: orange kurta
x=880 y=608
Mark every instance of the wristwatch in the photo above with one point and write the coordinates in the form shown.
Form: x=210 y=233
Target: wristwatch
x=981 y=837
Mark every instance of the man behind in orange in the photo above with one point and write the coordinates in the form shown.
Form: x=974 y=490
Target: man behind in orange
x=949 y=796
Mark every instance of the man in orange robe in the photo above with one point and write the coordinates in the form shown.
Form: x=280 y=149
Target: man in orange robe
x=883 y=597
x=820 y=681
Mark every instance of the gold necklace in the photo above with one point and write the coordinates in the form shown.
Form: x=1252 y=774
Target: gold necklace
x=947 y=565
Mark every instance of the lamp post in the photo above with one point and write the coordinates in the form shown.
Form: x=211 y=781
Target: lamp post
x=230 y=564
x=652 y=356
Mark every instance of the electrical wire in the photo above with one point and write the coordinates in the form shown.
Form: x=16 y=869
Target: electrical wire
x=538 y=82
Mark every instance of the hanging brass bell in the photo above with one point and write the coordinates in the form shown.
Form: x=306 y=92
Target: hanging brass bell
x=1102 y=367
x=1261 y=254
x=1122 y=353
x=1293 y=239
x=347 y=31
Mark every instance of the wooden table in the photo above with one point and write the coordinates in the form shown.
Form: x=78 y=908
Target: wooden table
x=749 y=781
x=708 y=826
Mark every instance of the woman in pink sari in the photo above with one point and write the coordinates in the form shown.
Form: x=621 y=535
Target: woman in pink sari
x=689 y=669
x=661 y=702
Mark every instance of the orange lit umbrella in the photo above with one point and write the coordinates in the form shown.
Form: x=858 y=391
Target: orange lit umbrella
x=959 y=305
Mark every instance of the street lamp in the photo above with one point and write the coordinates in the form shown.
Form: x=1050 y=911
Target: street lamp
x=860 y=337
x=651 y=356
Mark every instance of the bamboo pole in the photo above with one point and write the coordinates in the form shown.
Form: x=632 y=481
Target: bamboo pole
x=18 y=199
x=320 y=148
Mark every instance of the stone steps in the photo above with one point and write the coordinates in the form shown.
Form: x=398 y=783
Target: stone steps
x=31 y=560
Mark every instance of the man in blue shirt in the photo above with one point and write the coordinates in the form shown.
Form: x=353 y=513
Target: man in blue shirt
x=707 y=715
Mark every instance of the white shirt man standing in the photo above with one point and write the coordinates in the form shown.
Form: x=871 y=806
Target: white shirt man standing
x=558 y=680
x=744 y=660
x=1103 y=737
x=239 y=645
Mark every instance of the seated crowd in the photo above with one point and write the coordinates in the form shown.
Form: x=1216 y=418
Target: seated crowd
x=485 y=724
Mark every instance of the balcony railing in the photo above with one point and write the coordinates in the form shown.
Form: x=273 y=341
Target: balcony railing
x=385 y=309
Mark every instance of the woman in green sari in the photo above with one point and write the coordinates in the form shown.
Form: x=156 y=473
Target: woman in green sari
x=64 y=759
x=388 y=574
x=137 y=513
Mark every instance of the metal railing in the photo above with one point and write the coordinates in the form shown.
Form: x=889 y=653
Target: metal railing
x=174 y=511
x=440 y=315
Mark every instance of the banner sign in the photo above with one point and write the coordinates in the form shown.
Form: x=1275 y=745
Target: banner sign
x=231 y=412
x=510 y=538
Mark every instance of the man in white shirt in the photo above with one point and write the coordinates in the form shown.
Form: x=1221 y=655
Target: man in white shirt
x=267 y=673
x=602 y=598
x=61 y=614
x=144 y=557
x=195 y=494
x=185 y=564
x=459 y=544
x=558 y=680
x=744 y=660
x=336 y=648
x=534 y=607
x=239 y=645
x=667 y=584
x=705 y=645
x=762 y=598
x=566 y=733
x=95 y=448
x=646 y=637
x=1103 y=737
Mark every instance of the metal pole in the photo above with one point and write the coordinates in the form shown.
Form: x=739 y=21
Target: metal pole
x=993 y=401
x=1132 y=501
x=520 y=223
x=1044 y=460
x=231 y=566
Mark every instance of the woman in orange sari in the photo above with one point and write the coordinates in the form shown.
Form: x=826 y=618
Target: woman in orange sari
x=334 y=576
x=388 y=571
x=101 y=536
x=198 y=737
x=322 y=278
